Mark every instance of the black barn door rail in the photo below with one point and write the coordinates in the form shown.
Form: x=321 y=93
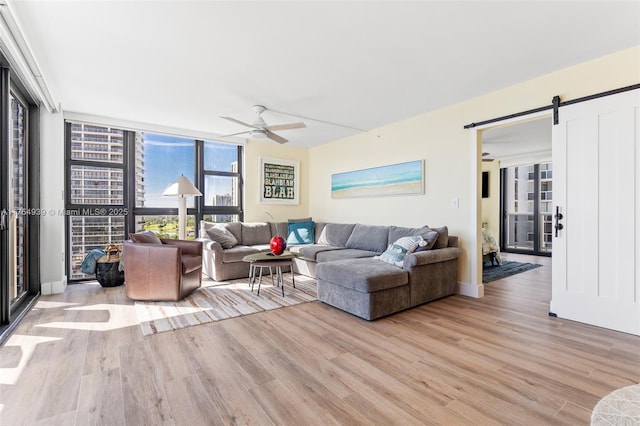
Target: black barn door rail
x=556 y=103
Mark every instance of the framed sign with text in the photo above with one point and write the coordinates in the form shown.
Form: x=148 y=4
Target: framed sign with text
x=279 y=181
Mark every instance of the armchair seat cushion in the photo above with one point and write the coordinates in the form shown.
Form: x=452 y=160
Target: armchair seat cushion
x=191 y=263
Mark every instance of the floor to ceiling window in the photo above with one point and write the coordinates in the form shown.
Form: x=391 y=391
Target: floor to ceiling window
x=527 y=208
x=19 y=201
x=95 y=191
x=116 y=177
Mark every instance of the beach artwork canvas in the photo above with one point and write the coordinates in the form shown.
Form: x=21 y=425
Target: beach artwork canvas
x=394 y=179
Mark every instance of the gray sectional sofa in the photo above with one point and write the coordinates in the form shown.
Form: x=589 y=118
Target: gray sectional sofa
x=343 y=260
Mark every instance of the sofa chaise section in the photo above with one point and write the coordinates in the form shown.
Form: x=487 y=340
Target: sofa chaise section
x=365 y=287
x=354 y=285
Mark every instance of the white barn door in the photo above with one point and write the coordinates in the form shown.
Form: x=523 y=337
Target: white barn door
x=596 y=256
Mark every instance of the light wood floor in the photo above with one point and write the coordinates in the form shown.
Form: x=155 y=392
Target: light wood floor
x=79 y=359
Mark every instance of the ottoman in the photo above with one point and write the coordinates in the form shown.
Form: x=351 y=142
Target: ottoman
x=366 y=287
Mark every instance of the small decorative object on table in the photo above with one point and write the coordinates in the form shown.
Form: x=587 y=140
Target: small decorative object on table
x=277 y=245
x=108 y=273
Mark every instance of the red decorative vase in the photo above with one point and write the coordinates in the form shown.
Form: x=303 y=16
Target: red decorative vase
x=277 y=245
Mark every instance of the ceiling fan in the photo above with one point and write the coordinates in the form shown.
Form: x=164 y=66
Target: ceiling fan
x=260 y=129
x=484 y=154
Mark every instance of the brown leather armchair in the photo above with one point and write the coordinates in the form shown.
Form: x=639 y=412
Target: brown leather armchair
x=168 y=271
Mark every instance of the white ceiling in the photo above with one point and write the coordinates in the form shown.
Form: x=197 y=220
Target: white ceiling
x=531 y=139
x=184 y=64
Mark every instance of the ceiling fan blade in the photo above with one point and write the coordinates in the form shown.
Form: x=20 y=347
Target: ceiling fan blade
x=289 y=126
x=234 y=134
x=275 y=137
x=238 y=121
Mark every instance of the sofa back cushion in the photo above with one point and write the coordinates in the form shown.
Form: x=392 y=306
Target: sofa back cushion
x=428 y=234
x=279 y=229
x=368 y=237
x=443 y=237
x=336 y=234
x=254 y=233
x=235 y=228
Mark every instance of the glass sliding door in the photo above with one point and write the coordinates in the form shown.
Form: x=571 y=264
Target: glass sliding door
x=19 y=210
x=19 y=203
x=545 y=202
x=527 y=203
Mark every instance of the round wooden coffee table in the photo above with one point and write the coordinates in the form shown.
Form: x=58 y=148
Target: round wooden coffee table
x=259 y=261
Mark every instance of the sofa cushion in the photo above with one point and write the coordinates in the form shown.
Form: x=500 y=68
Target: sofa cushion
x=319 y=228
x=302 y=219
x=331 y=255
x=336 y=234
x=234 y=227
x=145 y=237
x=363 y=275
x=279 y=229
x=443 y=237
x=236 y=253
x=301 y=233
x=396 y=252
x=310 y=251
x=223 y=236
x=190 y=263
x=368 y=237
x=255 y=233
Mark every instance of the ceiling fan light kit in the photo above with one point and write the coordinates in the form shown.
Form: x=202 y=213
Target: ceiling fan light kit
x=257 y=134
x=260 y=130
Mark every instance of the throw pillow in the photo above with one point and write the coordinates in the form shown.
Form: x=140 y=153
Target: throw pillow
x=301 y=233
x=397 y=251
x=222 y=236
x=430 y=239
x=145 y=237
x=443 y=237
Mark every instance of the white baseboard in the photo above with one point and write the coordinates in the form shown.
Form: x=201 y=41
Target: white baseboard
x=471 y=290
x=53 y=287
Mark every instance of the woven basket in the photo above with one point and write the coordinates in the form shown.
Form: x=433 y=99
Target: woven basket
x=107 y=272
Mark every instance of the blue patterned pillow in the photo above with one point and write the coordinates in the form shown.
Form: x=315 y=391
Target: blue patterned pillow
x=396 y=252
x=301 y=233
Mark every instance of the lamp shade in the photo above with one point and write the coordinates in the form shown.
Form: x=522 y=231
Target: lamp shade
x=182 y=186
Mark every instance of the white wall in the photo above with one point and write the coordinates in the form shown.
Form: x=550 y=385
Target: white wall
x=451 y=154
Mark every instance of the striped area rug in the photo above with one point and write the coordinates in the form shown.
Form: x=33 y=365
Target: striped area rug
x=216 y=301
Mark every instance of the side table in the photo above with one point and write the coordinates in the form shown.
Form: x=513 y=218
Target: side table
x=259 y=261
